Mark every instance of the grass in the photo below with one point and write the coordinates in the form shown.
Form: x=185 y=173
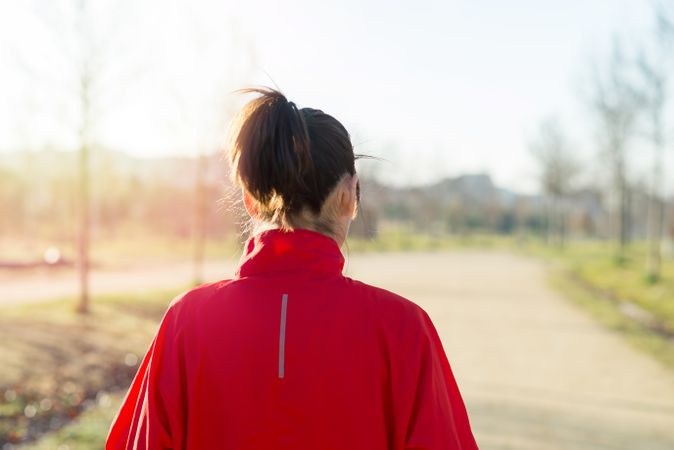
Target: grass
x=606 y=313
x=588 y=274
x=58 y=364
x=594 y=263
x=122 y=249
x=396 y=239
x=162 y=249
x=86 y=432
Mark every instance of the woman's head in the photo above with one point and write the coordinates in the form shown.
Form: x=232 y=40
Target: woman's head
x=296 y=167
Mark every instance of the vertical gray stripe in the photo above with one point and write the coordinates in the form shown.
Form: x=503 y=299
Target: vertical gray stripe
x=282 y=337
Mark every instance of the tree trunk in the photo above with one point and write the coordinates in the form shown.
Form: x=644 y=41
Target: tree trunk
x=83 y=234
x=562 y=224
x=84 y=220
x=623 y=209
x=200 y=212
x=656 y=208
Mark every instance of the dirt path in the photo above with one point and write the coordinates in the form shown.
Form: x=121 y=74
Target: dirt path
x=536 y=372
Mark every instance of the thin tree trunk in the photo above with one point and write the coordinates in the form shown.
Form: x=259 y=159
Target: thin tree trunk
x=624 y=219
x=83 y=234
x=656 y=213
x=622 y=222
x=200 y=212
x=562 y=224
x=84 y=136
x=84 y=219
x=551 y=222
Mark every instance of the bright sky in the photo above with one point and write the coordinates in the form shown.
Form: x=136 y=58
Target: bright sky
x=439 y=88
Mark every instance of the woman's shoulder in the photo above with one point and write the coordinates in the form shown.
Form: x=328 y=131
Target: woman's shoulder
x=386 y=302
x=193 y=298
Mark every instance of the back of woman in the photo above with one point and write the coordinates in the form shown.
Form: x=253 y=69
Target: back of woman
x=289 y=353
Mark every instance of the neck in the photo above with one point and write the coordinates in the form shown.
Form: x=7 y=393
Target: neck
x=337 y=233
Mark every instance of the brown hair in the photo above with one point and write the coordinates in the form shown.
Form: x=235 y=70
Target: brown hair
x=288 y=159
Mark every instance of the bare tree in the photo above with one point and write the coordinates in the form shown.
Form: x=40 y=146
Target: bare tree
x=86 y=75
x=616 y=103
x=86 y=50
x=558 y=170
x=653 y=68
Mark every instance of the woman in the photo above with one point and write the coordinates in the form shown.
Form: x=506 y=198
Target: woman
x=289 y=353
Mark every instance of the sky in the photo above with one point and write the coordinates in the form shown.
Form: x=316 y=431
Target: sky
x=436 y=88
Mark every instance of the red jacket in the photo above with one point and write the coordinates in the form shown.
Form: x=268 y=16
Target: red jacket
x=291 y=354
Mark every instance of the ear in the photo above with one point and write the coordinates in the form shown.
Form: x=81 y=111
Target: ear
x=250 y=204
x=348 y=197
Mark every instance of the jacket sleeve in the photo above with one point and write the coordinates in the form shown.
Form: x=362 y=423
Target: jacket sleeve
x=152 y=413
x=432 y=411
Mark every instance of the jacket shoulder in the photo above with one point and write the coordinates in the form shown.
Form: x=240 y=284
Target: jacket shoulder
x=387 y=302
x=196 y=296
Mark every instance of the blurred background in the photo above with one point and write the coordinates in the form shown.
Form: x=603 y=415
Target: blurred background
x=522 y=193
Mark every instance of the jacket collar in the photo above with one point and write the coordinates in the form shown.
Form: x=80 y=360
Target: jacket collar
x=299 y=250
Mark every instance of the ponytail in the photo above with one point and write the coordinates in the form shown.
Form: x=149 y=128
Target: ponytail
x=287 y=158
